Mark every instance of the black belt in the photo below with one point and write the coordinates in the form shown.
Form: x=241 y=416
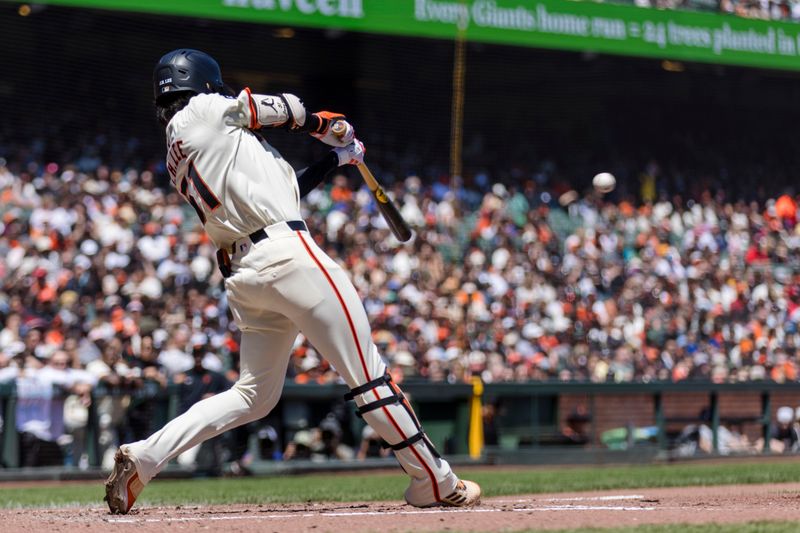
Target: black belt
x=259 y=235
x=224 y=256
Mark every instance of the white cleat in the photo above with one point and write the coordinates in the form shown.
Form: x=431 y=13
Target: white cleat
x=466 y=494
x=123 y=485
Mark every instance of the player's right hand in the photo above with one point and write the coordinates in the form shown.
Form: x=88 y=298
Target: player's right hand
x=352 y=154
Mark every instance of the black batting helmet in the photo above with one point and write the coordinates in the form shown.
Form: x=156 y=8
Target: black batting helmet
x=187 y=70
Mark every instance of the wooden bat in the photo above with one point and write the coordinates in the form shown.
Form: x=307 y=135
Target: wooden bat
x=390 y=213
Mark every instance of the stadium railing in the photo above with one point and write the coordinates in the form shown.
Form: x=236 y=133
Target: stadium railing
x=529 y=417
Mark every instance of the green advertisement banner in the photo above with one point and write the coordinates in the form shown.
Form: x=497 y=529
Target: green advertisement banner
x=557 y=24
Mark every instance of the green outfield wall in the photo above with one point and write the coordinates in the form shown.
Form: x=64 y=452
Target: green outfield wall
x=554 y=24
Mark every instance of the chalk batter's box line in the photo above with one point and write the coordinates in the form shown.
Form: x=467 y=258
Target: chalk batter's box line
x=380 y=513
x=612 y=497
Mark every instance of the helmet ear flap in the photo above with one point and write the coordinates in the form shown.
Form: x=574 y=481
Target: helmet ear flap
x=226 y=90
x=219 y=88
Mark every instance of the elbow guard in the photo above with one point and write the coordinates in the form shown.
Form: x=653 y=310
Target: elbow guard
x=278 y=111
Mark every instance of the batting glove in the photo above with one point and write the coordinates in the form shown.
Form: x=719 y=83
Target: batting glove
x=323 y=121
x=352 y=154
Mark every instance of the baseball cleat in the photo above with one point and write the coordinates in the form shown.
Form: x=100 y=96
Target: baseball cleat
x=123 y=485
x=467 y=493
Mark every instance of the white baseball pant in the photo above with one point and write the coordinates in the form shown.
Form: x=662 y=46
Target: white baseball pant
x=280 y=285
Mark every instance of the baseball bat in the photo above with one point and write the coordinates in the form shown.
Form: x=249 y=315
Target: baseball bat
x=388 y=209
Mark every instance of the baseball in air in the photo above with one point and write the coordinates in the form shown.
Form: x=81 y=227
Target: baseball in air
x=604 y=182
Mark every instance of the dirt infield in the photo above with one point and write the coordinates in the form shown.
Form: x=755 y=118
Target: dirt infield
x=727 y=504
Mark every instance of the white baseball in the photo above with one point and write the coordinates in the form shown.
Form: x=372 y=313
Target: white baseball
x=604 y=182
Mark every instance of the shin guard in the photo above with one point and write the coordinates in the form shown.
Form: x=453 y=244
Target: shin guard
x=384 y=407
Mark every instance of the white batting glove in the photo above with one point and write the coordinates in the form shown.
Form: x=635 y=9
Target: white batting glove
x=339 y=139
x=322 y=127
x=349 y=135
x=352 y=154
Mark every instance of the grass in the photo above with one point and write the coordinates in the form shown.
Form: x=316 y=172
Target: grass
x=367 y=487
x=746 y=527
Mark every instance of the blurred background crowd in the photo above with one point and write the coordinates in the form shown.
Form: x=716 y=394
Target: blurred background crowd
x=108 y=280
x=112 y=309
x=530 y=281
x=756 y=9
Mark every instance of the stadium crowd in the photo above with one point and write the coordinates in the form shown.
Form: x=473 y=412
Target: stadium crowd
x=756 y=9
x=508 y=283
x=107 y=279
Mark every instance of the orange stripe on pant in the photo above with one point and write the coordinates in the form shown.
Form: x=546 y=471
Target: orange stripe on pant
x=364 y=365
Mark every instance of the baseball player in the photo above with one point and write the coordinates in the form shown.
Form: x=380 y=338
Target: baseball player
x=278 y=281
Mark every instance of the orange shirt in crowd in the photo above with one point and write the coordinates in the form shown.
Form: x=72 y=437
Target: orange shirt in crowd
x=786 y=208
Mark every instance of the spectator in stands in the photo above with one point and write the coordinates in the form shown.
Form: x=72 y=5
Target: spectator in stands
x=301 y=446
x=320 y=443
x=576 y=429
x=196 y=384
x=331 y=440
x=774 y=10
x=174 y=358
x=144 y=365
x=119 y=382
x=41 y=389
x=783 y=432
x=696 y=439
x=11 y=332
x=371 y=445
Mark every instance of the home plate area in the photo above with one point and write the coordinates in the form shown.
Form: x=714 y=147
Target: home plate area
x=728 y=504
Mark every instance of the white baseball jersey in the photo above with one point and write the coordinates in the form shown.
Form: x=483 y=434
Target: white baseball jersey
x=282 y=285
x=236 y=182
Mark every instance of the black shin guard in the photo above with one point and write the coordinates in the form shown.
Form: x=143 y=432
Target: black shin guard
x=396 y=397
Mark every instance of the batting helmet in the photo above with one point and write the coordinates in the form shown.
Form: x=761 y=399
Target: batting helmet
x=187 y=70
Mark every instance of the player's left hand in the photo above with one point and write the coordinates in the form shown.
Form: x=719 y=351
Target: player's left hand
x=324 y=131
x=352 y=154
